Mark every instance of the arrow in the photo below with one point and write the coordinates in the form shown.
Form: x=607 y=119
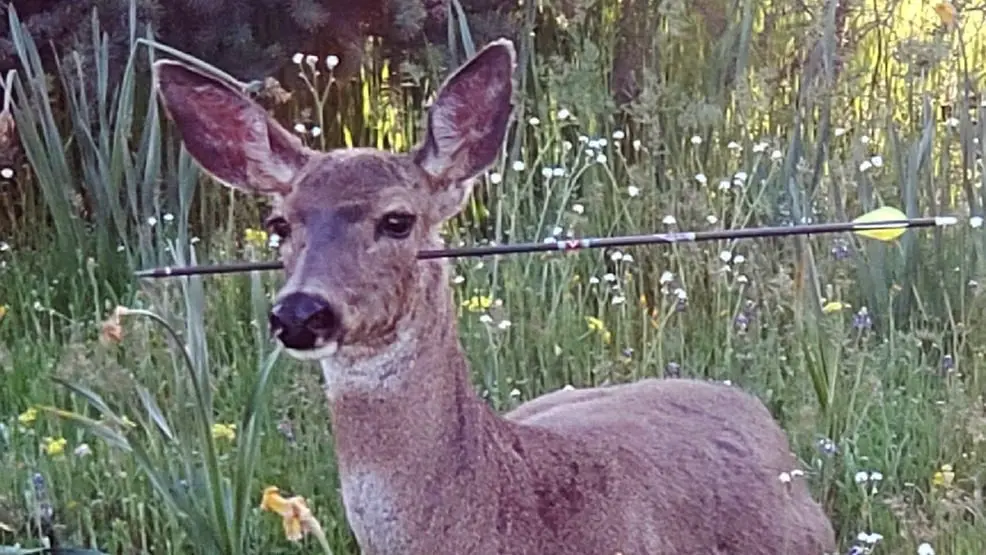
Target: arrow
x=883 y=224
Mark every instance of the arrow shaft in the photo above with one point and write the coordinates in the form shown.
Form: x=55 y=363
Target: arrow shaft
x=587 y=243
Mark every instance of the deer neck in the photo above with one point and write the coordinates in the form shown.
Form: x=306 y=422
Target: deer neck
x=411 y=435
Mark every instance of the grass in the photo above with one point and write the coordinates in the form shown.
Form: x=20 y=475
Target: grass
x=871 y=355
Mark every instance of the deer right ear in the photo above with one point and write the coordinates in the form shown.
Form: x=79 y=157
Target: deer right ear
x=229 y=135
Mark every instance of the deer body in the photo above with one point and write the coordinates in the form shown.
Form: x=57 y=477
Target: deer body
x=658 y=467
x=651 y=468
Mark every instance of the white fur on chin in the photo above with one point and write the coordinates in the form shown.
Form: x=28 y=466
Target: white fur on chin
x=318 y=353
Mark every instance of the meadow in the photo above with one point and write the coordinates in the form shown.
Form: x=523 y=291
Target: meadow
x=157 y=427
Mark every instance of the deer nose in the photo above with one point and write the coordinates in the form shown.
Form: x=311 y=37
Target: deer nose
x=302 y=322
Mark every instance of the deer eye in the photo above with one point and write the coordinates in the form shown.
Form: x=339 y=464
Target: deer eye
x=396 y=225
x=278 y=226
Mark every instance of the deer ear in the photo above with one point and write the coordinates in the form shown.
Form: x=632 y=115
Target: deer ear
x=467 y=124
x=229 y=135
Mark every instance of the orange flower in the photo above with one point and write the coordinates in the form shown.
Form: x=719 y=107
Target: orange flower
x=298 y=518
x=947 y=14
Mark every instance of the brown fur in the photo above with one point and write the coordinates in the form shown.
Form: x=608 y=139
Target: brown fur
x=658 y=467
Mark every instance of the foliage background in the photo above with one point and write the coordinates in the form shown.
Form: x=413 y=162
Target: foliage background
x=637 y=115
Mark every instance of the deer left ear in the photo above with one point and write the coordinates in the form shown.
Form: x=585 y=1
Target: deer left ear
x=467 y=125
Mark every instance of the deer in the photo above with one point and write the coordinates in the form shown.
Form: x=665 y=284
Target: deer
x=658 y=466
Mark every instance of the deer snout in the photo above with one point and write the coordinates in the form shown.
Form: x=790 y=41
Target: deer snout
x=303 y=322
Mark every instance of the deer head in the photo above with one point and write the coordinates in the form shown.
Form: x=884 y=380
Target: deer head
x=351 y=220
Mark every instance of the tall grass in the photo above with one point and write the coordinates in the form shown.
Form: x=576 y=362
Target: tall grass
x=869 y=354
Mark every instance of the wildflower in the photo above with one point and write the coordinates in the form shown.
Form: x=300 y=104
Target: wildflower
x=151 y=221
x=877 y=161
x=53 y=447
x=784 y=477
x=834 y=306
x=595 y=324
x=840 y=249
x=534 y=121
x=618 y=135
x=734 y=146
x=286 y=428
x=331 y=61
x=619 y=299
x=947 y=14
x=776 y=155
x=168 y=217
x=869 y=539
x=315 y=131
x=486 y=319
x=976 y=222
x=602 y=159
x=300 y=128
x=926 y=549
x=518 y=166
x=669 y=220
x=111 y=331
x=696 y=140
x=557 y=172
x=862 y=320
x=496 y=178
x=944 y=477
x=578 y=208
x=633 y=190
x=298 y=58
x=724 y=185
x=865 y=165
x=28 y=417
x=82 y=450
x=224 y=431
x=504 y=324
x=478 y=303
x=666 y=278
x=947 y=364
x=701 y=178
x=637 y=145
x=7 y=173
x=672 y=370
x=298 y=518
x=255 y=237
x=826 y=446
x=563 y=114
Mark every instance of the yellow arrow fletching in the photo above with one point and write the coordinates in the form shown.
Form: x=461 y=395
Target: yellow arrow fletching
x=884 y=214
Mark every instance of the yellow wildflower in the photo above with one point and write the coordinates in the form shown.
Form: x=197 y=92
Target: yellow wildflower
x=944 y=477
x=224 y=431
x=478 y=303
x=28 y=417
x=298 y=518
x=127 y=422
x=3 y=311
x=595 y=324
x=54 y=446
x=255 y=237
x=834 y=306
